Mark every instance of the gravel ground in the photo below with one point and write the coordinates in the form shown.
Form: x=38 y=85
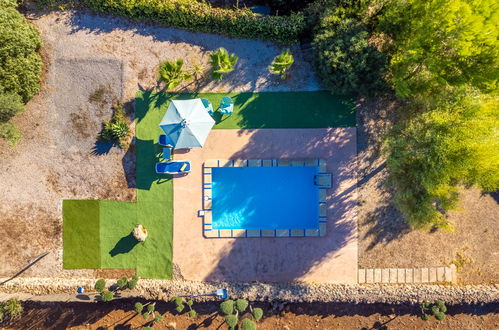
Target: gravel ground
x=298 y=292
x=386 y=241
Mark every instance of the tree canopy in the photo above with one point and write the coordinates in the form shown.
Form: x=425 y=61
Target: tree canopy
x=442 y=42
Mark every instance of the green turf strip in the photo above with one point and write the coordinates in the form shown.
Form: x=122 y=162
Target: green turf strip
x=81 y=234
x=315 y=109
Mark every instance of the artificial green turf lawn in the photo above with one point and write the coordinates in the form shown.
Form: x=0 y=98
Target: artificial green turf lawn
x=81 y=232
x=315 y=109
x=106 y=241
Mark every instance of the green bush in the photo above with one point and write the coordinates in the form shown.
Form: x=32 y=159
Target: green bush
x=438 y=309
x=227 y=307
x=10 y=309
x=192 y=313
x=345 y=61
x=100 y=285
x=138 y=307
x=117 y=129
x=241 y=305
x=248 y=324
x=10 y=133
x=281 y=64
x=202 y=17
x=172 y=73
x=20 y=65
x=231 y=321
x=257 y=313
x=222 y=63
x=132 y=283
x=10 y=105
x=122 y=283
x=107 y=295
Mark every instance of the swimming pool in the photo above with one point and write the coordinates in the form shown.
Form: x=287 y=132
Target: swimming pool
x=274 y=198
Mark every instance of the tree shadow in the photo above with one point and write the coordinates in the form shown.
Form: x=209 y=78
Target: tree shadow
x=124 y=245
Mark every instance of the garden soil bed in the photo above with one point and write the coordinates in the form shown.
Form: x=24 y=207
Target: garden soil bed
x=119 y=315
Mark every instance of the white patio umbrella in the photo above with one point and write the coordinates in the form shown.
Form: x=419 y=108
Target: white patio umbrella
x=187 y=123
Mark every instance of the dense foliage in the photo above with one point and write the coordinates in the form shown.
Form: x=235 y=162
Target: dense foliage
x=20 y=65
x=442 y=42
x=450 y=141
x=346 y=61
x=117 y=129
x=201 y=16
x=10 y=105
x=10 y=310
x=438 y=309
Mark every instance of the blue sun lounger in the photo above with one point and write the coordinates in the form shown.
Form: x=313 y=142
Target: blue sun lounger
x=176 y=167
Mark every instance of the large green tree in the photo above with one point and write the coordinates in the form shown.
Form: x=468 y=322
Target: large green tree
x=446 y=143
x=442 y=42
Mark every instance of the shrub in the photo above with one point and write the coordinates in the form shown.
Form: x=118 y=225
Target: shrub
x=438 y=309
x=10 y=105
x=248 y=324
x=241 y=305
x=132 y=283
x=20 y=65
x=172 y=74
x=10 y=309
x=100 y=285
x=281 y=64
x=122 y=283
x=222 y=63
x=180 y=305
x=345 y=61
x=192 y=313
x=227 y=307
x=257 y=313
x=138 y=307
x=117 y=129
x=202 y=17
x=231 y=321
x=107 y=295
x=10 y=133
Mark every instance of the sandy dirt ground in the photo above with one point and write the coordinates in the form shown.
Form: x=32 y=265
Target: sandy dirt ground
x=91 y=61
x=118 y=315
x=385 y=240
x=332 y=258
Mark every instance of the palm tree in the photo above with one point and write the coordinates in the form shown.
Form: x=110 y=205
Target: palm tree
x=171 y=73
x=281 y=64
x=222 y=63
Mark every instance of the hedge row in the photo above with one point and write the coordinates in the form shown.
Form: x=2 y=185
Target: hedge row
x=201 y=17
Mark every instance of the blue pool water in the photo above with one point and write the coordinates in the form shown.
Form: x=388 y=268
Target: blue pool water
x=265 y=198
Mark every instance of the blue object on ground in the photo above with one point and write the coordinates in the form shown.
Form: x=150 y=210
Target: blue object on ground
x=208 y=106
x=167 y=153
x=164 y=140
x=265 y=198
x=80 y=290
x=226 y=106
x=187 y=123
x=176 y=167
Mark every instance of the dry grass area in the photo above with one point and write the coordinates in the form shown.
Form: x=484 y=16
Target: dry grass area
x=385 y=240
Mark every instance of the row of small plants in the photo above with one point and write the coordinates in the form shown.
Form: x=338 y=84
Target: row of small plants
x=172 y=73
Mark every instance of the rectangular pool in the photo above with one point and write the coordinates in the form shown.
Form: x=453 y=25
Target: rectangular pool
x=265 y=198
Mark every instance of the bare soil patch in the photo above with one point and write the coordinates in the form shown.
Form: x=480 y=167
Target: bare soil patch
x=119 y=315
x=386 y=241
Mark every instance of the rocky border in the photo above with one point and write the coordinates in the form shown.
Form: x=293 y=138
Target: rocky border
x=33 y=288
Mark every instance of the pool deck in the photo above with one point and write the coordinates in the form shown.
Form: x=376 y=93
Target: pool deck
x=331 y=258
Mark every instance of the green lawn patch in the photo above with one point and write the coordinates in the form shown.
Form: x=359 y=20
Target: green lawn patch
x=81 y=232
x=315 y=109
